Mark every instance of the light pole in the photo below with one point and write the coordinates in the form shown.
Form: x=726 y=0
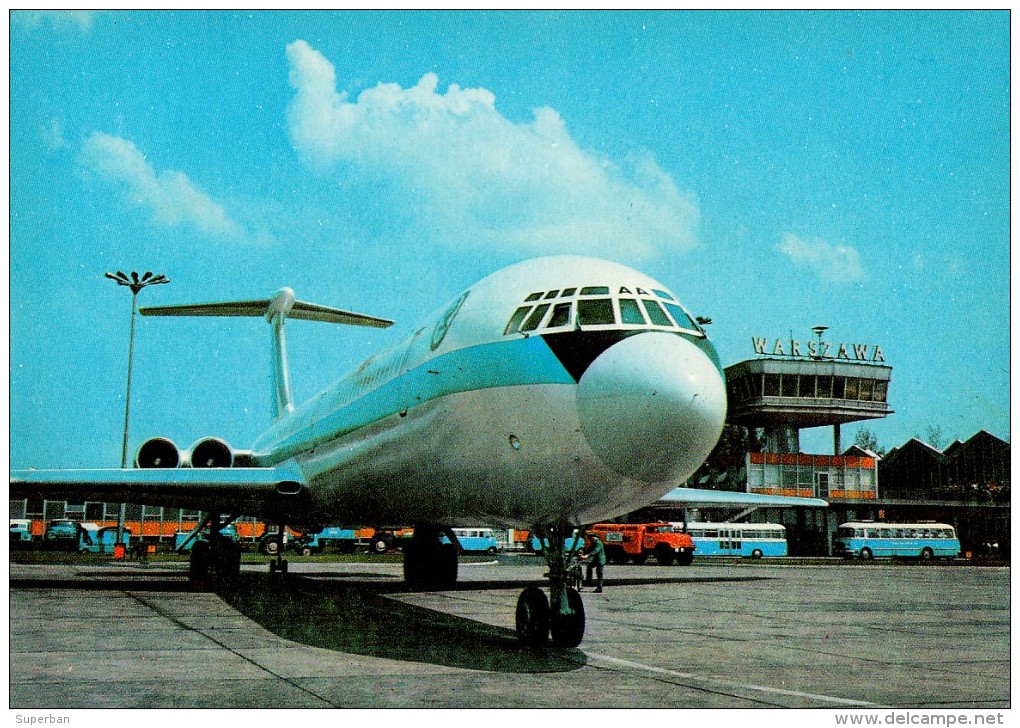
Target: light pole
x=136 y=284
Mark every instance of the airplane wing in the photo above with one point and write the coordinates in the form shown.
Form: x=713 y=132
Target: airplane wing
x=250 y=491
x=702 y=497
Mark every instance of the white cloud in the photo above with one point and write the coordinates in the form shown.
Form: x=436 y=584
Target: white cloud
x=80 y=19
x=831 y=262
x=482 y=177
x=171 y=196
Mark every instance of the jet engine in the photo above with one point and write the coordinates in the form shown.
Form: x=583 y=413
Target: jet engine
x=158 y=452
x=211 y=452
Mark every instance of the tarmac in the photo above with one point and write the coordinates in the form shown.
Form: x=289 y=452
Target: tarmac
x=718 y=634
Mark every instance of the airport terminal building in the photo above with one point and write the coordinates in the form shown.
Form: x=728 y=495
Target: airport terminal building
x=791 y=385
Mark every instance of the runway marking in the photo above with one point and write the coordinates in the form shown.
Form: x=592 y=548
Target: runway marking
x=729 y=683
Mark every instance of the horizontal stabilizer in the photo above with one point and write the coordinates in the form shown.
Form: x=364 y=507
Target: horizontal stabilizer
x=261 y=307
x=695 y=496
x=248 y=490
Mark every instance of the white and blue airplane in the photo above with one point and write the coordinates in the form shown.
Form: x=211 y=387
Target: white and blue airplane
x=556 y=392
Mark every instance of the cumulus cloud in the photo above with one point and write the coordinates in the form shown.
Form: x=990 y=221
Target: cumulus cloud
x=831 y=262
x=170 y=195
x=488 y=179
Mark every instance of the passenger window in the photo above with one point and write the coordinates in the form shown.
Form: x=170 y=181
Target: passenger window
x=630 y=313
x=595 y=311
x=535 y=318
x=681 y=317
x=560 y=316
x=656 y=314
x=515 y=320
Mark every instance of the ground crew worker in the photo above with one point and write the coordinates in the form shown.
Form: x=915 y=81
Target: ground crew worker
x=595 y=555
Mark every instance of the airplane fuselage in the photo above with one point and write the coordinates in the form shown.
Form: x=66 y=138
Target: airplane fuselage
x=558 y=389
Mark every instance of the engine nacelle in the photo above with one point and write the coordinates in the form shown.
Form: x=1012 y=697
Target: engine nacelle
x=211 y=452
x=158 y=452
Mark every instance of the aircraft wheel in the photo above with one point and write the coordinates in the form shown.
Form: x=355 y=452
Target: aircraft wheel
x=446 y=573
x=199 y=565
x=568 y=629
x=228 y=563
x=532 y=617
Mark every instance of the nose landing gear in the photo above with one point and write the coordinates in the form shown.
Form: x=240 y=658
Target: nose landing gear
x=560 y=617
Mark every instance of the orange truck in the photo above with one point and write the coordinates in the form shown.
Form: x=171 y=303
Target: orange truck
x=638 y=541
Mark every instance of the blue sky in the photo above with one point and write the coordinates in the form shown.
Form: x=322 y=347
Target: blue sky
x=777 y=170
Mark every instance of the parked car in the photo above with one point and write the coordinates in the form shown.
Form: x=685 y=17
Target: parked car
x=61 y=534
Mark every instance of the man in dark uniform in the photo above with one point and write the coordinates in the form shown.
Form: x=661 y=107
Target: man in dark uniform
x=595 y=555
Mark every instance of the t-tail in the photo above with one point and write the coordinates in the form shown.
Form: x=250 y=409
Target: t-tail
x=276 y=310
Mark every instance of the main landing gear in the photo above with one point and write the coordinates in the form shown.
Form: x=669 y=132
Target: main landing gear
x=560 y=617
x=216 y=561
x=429 y=562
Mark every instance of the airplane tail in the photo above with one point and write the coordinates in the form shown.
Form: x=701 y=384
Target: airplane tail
x=275 y=310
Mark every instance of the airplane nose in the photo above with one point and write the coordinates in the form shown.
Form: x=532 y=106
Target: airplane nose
x=652 y=407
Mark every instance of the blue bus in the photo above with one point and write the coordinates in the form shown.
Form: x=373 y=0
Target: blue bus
x=476 y=540
x=737 y=539
x=868 y=540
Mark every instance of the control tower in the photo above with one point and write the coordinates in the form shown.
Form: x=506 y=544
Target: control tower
x=794 y=384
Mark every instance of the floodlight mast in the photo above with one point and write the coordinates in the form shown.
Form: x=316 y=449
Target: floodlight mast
x=136 y=283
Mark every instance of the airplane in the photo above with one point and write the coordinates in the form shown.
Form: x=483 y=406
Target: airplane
x=556 y=392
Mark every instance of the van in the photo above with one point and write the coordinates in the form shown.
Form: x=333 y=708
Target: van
x=95 y=540
x=475 y=540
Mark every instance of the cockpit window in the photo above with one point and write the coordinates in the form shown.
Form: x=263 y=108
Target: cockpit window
x=595 y=311
x=535 y=318
x=630 y=313
x=560 y=316
x=681 y=317
x=515 y=320
x=629 y=306
x=655 y=313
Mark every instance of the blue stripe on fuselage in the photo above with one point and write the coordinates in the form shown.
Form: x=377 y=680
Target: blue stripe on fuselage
x=511 y=362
